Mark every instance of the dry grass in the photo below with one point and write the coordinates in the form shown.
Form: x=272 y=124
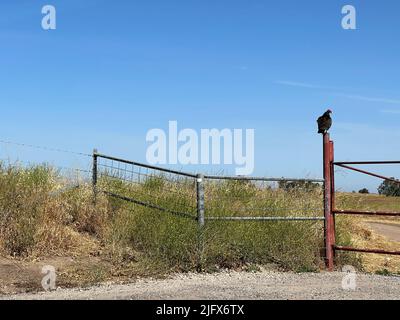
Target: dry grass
x=364 y=236
x=40 y=218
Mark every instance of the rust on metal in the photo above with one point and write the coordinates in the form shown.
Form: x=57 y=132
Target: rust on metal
x=327 y=165
x=333 y=206
x=368 y=173
x=378 y=251
x=367 y=213
x=366 y=162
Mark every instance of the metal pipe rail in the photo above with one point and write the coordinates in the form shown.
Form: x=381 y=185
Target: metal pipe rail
x=368 y=173
x=367 y=213
x=213 y=177
x=366 y=162
x=181 y=173
x=151 y=206
x=265 y=218
x=377 y=251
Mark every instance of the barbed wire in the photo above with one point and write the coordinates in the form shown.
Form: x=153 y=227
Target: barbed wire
x=30 y=163
x=45 y=148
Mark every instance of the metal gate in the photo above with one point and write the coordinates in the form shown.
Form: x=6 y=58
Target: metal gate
x=190 y=196
x=330 y=208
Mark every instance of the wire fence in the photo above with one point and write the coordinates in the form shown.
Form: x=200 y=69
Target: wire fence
x=157 y=188
x=68 y=176
x=210 y=198
x=204 y=197
x=212 y=202
x=285 y=215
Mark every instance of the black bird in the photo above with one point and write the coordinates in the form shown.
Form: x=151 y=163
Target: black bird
x=325 y=122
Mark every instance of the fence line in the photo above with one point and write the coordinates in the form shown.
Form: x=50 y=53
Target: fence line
x=182 y=194
x=266 y=218
x=182 y=183
x=195 y=197
x=45 y=148
x=189 y=195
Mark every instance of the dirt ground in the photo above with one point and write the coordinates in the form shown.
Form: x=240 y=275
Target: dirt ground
x=387 y=229
x=18 y=277
x=236 y=285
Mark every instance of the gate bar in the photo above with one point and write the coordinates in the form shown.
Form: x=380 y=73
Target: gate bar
x=245 y=178
x=149 y=205
x=367 y=213
x=366 y=162
x=378 y=251
x=368 y=173
x=134 y=163
x=266 y=218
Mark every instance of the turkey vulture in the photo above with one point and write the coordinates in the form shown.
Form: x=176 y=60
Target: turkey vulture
x=324 y=122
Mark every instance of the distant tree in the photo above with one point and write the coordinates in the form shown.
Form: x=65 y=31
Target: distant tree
x=298 y=185
x=364 y=191
x=390 y=188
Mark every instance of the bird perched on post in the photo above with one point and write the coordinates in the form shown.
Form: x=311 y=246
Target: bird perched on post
x=325 y=122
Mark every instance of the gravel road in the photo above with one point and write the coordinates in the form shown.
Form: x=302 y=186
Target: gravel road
x=235 y=285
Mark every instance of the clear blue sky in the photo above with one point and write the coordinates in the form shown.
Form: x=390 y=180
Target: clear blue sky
x=115 y=69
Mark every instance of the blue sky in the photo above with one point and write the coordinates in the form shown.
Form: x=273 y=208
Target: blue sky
x=112 y=70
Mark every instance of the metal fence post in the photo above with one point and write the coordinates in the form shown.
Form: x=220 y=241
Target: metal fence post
x=94 y=174
x=328 y=202
x=200 y=218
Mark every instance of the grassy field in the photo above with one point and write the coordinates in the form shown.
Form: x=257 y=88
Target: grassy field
x=363 y=235
x=43 y=220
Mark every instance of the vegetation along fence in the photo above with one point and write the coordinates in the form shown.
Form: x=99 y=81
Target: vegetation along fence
x=207 y=198
x=203 y=198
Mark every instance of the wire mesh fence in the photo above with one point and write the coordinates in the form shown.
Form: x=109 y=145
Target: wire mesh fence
x=238 y=218
x=223 y=198
x=209 y=197
x=157 y=188
x=233 y=219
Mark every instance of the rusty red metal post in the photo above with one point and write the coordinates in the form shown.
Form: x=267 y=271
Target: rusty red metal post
x=333 y=205
x=329 y=228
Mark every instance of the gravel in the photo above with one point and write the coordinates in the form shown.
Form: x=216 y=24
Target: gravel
x=235 y=286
